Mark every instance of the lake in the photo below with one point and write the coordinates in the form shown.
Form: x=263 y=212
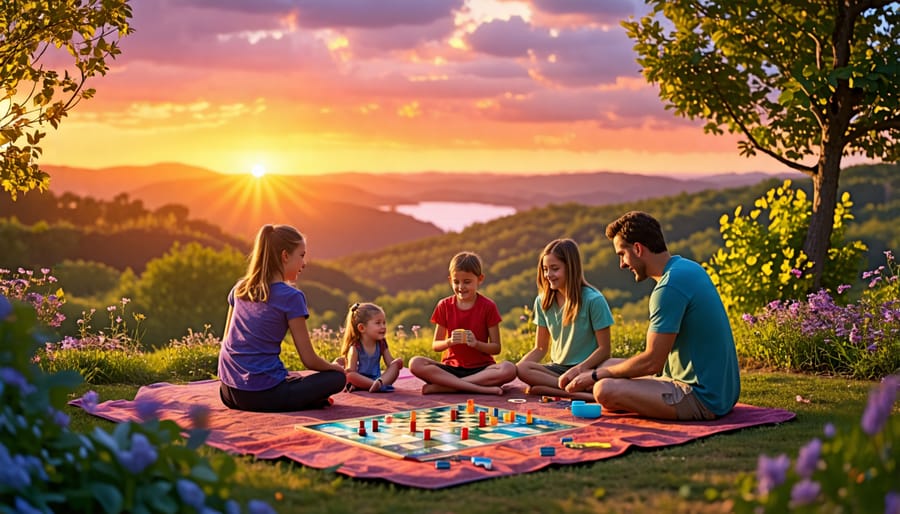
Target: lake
x=453 y=216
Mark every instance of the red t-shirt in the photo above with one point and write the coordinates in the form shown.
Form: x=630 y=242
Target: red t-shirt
x=483 y=315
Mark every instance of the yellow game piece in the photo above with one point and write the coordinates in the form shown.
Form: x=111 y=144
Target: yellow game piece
x=470 y=406
x=412 y=416
x=493 y=421
x=529 y=419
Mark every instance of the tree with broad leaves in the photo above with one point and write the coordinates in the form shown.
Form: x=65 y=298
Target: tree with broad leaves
x=806 y=82
x=48 y=51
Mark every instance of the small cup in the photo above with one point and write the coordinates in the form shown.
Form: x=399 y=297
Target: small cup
x=458 y=336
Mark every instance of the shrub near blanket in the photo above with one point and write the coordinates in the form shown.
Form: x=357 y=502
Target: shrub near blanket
x=45 y=467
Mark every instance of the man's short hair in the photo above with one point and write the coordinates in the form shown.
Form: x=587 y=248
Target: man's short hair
x=638 y=227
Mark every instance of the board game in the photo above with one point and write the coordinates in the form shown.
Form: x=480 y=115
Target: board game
x=437 y=432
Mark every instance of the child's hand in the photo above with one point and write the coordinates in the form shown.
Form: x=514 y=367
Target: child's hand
x=458 y=336
x=470 y=338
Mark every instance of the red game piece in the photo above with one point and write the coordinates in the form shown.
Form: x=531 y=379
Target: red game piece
x=412 y=426
x=453 y=415
x=481 y=420
x=464 y=433
x=374 y=425
x=427 y=434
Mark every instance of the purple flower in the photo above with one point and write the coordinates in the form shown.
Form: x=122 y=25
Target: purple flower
x=259 y=507
x=23 y=507
x=829 y=430
x=771 y=472
x=878 y=408
x=147 y=409
x=805 y=492
x=141 y=455
x=5 y=307
x=797 y=273
x=59 y=417
x=892 y=503
x=190 y=493
x=748 y=318
x=232 y=507
x=843 y=287
x=89 y=401
x=808 y=458
x=12 y=377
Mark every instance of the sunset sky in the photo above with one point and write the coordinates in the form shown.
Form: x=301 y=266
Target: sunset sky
x=317 y=86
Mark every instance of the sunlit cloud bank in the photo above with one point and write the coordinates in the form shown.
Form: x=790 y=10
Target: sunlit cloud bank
x=395 y=85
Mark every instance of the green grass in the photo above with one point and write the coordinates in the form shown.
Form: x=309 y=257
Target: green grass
x=676 y=479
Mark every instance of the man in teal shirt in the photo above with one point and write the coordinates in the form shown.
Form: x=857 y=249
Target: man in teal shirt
x=689 y=368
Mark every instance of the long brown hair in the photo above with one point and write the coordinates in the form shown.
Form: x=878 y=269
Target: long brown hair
x=358 y=313
x=265 y=260
x=566 y=250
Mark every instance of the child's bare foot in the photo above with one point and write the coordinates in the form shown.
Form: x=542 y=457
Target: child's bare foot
x=376 y=386
x=436 y=389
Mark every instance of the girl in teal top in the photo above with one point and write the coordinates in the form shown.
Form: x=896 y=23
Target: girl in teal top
x=573 y=322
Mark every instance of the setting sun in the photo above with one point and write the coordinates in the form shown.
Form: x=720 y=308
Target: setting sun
x=258 y=170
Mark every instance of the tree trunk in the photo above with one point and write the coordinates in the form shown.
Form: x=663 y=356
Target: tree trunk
x=825 y=190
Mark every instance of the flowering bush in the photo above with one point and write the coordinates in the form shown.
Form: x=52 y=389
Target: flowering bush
x=760 y=260
x=860 y=339
x=21 y=286
x=138 y=467
x=849 y=470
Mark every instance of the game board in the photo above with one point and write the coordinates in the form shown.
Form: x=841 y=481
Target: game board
x=395 y=438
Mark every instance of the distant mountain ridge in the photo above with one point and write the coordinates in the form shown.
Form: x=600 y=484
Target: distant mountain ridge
x=344 y=213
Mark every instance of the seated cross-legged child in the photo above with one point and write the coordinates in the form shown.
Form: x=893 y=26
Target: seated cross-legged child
x=364 y=347
x=467 y=331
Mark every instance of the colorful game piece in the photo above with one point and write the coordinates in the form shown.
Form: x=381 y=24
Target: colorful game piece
x=566 y=439
x=587 y=445
x=412 y=426
x=484 y=462
x=442 y=464
x=493 y=421
x=586 y=410
x=412 y=415
x=470 y=406
x=464 y=433
x=482 y=419
x=426 y=434
x=394 y=438
x=454 y=414
x=362 y=428
x=374 y=425
x=529 y=418
x=548 y=451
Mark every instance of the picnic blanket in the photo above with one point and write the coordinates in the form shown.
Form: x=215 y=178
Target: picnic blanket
x=274 y=436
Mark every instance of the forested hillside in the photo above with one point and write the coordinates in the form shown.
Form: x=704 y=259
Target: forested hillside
x=406 y=279
x=414 y=274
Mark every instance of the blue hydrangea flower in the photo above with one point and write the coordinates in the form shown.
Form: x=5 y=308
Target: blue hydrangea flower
x=892 y=503
x=259 y=507
x=190 y=493
x=141 y=455
x=829 y=430
x=23 y=507
x=147 y=409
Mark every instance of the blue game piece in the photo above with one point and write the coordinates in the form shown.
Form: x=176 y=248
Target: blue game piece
x=442 y=464
x=586 y=410
x=567 y=439
x=548 y=451
x=484 y=462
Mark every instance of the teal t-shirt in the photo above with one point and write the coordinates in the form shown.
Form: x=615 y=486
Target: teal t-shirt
x=685 y=302
x=573 y=343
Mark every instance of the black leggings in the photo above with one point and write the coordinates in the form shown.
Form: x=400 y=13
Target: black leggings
x=295 y=393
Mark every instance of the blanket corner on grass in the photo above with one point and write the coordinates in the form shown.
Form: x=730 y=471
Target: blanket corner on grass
x=274 y=436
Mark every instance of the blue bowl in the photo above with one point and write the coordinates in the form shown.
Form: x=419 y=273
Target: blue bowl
x=586 y=410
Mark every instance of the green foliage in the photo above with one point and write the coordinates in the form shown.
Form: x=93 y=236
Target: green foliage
x=138 y=467
x=86 y=278
x=186 y=289
x=36 y=38
x=762 y=260
x=853 y=470
x=758 y=69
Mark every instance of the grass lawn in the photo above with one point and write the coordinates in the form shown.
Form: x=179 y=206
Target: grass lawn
x=696 y=477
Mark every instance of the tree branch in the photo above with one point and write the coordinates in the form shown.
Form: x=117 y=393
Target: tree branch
x=809 y=170
x=857 y=132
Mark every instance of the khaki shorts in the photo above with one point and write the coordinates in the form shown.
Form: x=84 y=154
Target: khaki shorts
x=687 y=406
